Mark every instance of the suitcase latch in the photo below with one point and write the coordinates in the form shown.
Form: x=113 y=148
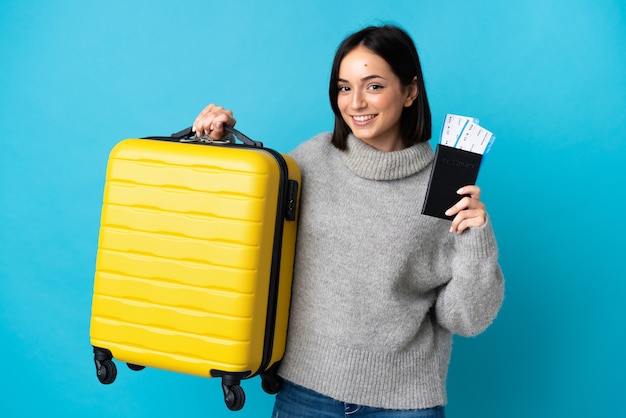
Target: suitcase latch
x=292 y=199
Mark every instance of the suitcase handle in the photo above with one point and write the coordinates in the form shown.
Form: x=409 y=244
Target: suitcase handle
x=190 y=136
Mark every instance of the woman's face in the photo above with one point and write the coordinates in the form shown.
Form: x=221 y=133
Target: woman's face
x=371 y=98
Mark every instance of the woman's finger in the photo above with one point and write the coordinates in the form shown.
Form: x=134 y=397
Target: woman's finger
x=471 y=190
x=469 y=218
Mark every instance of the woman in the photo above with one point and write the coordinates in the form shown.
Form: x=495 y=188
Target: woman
x=378 y=289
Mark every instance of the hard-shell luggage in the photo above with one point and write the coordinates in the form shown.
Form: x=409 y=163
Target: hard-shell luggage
x=195 y=260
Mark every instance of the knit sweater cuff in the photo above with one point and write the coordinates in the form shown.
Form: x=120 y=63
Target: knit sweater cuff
x=478 y=242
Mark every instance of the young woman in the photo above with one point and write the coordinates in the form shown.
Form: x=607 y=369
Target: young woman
x=378 y=289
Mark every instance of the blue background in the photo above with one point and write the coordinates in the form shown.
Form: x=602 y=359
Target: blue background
x=547 y=76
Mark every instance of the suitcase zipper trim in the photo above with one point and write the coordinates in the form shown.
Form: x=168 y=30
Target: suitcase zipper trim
x=272 y=305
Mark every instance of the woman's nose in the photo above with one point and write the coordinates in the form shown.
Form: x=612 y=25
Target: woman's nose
x=358 y=100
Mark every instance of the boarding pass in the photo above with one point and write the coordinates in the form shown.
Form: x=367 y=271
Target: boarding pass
x=464 y=132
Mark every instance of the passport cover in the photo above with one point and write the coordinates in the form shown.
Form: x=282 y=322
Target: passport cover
x=452 y=169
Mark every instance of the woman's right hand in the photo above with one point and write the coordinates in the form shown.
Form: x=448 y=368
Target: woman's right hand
x=211 y=121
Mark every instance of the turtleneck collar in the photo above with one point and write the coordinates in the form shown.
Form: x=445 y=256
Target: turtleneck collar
x=372 y=164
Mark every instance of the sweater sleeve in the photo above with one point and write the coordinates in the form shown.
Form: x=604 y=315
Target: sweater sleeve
x=470 y=301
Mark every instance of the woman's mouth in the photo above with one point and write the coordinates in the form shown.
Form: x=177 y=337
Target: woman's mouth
x=362 y=119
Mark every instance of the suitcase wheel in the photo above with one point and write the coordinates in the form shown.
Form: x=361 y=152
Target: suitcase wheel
x=271 y=383
x=234 y=397
x=107 y=372
x=105 y=368
x=135 y=367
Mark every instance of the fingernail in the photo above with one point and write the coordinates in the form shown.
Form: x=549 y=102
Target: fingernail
x=448 y=212
x=460 y=191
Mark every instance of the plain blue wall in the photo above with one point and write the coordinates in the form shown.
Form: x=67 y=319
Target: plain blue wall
x=548 y=77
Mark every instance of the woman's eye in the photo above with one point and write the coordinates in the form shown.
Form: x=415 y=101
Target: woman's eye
x=344 y=88
x=375 y=87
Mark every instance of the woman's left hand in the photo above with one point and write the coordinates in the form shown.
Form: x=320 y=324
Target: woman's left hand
x=470 y=211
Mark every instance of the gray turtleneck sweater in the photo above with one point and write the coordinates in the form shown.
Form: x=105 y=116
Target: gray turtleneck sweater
x=378 y=288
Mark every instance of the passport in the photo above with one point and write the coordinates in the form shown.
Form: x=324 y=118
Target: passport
x=452 y=169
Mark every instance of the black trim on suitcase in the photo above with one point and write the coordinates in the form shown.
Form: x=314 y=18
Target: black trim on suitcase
x=188 y=135
x=272 y=303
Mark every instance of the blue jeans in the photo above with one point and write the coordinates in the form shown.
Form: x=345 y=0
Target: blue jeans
x=294 y=401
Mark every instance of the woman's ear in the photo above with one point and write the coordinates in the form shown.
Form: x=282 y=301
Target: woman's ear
x=412 y=92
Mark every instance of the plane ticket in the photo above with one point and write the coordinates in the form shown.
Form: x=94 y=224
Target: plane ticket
x=465 y=133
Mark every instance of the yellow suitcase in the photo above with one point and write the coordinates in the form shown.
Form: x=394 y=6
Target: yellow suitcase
x=195 y=260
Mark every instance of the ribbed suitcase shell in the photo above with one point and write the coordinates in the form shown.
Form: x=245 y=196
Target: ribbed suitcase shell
x=185 y=256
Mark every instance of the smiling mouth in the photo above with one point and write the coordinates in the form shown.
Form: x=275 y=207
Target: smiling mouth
x=363 y=118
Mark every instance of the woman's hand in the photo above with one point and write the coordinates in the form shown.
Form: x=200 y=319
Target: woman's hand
x=470 y=211
x=211 y=121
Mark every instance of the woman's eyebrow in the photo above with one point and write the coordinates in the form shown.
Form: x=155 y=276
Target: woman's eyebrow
x=366 y=78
